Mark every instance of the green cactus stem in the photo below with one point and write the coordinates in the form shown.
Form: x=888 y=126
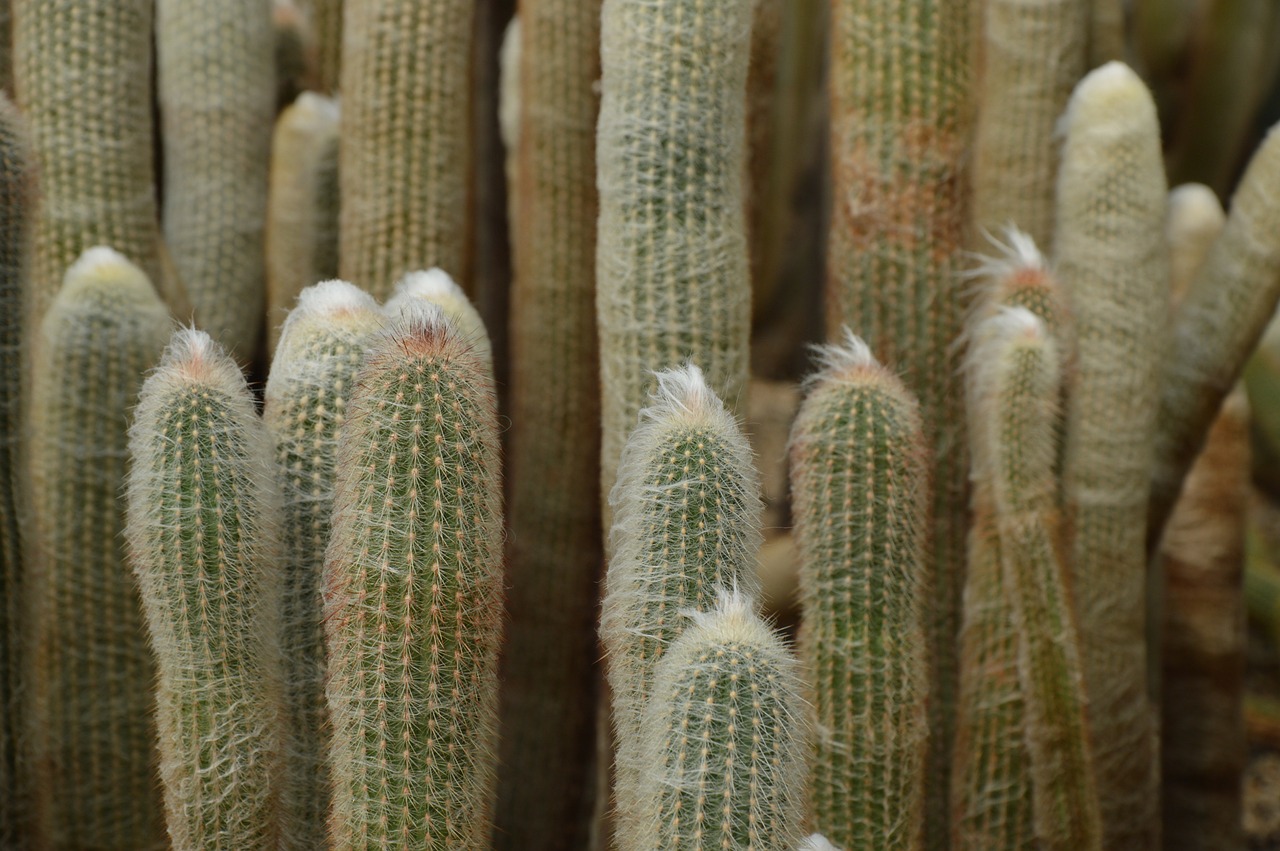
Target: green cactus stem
x=687 y=521
x=435 y=286
x=724 y=738
x=859 y=475
x=312 y=377
x=413 y=599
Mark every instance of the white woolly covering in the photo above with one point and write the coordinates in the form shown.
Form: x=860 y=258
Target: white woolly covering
x=1109 y=100
x=837 y=361
x=107 y=274
x=315 y=109
x=333 y=296
x=436 y=287
x=429 y=284
x=1016 y=251
x=816 y=842
x=333 y=311
x=95 y=260
x=509 y=88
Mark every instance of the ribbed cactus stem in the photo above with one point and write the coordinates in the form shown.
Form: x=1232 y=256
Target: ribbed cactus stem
x=216 y=72
x=859 y=475
x=91 y=733
x=510 y=113
x=671 y=150
x=1111 y=258
x=1218 y=324
x=326 y=32
x=413 y=599
x=1193 y=220
x=302 y=205
x=204 y=540
x=312 y=378
x=686 y=522
x=1015 y=385
x=1106 y=31
x=724 y=738
x=435 y=286
x=406 y=143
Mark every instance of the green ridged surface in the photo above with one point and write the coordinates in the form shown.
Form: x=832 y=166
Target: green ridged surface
x=413 y=597
x=203 y=531
x=859 y=475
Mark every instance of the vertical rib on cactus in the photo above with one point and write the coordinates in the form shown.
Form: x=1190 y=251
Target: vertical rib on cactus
x=1111 y=258
x=16 y=196
x=554 y=551
x=413 y=599
x=82 y=75
x=724 y=738
x=217 y=100
x=405 y=160
x=1218 y=324
x=302 y=204
x=1015 y=382
x=859 y=474
x=90 y=732
x=509 y=117
x=434 y=286
x=321 y=350
x=1033 y=54
x=1203 y=733
x=203 y=531
x=900 y=127
x=1193 y=220
x=687 y=516
x=671 y=261
x=326 y=31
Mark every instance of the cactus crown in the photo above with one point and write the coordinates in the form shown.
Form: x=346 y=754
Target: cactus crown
x=435 y=286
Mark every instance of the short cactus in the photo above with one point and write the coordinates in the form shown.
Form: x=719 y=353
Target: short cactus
x=434 y=286
x=413 y=596
x=91 y=734
x=1193 y=221
x=724 y=741
x=312 y=377
x=686 y=522
x=859 y=475
x=203 y=531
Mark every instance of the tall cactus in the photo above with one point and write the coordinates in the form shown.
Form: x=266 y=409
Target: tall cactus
x=859 y=473
x=91 y=734
x=687 y=509
x=671 y=256
x=203 y=531
x=312 y=377
x=326 y=29
x=554 y=551
x=724 y=737
x=1111 y=258
x=216 y=74
x=406 y=147
x=413 y=600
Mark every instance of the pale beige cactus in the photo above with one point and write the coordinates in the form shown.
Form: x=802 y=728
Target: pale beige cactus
x=1193 y=220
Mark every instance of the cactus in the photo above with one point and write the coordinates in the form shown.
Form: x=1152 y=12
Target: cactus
x=509 y=114
x=1106 y=31
x=554 y=550
x=859 y=475
x=302 y=205
x=687 y=511
x=413 y=664
x=1015 y=383
x=82 y=76
x=406 y=147
x=724 y=737
x=291 y=47
x=91 y=734
x=321 y=350
x=671 y=257
x=434 y=286
x=203 y=531
x=217 y=99
x=1193 y=220
x=326 y=29
x=1033 y=55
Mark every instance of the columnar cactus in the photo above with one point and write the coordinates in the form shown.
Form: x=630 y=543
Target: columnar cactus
x=724 y=739
x=1193 y=220
x=90 y=730
x=406 y=147
x=413 y=599
x=670 y=159
x=302 y=204
x=203 y=532
x=434 y=286
x=1111 y=257
x=554 y=549
x=859 y=474
x=217 y=100
x=326 y=30
x=312 y=377
x=1106 y=31
x=687 y=509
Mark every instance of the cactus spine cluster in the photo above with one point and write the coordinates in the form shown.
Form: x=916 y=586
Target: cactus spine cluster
x=405 y=162
x=203 y=531
x=671 y=259
x=686 y=522
x=215 y=71
x=859 y=474
x=434 y=286
x=555 y=548
x=90 y=729
x=312 y=377
x=413 y=599
x=724 y=738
